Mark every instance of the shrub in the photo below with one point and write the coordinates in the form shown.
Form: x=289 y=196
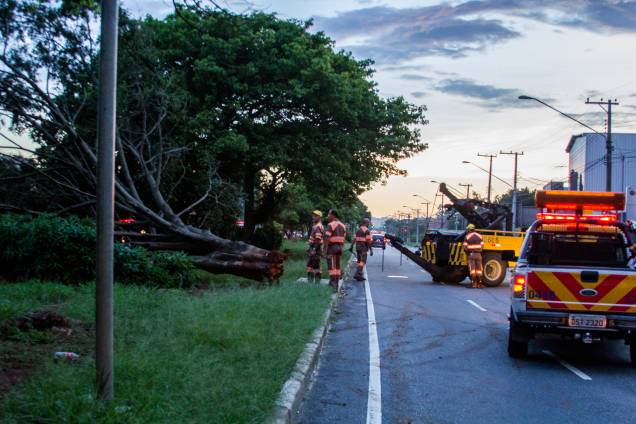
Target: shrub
x=269 y=237
x=63 y=249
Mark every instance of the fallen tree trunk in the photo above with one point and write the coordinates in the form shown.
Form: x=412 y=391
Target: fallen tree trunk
x=227 y=257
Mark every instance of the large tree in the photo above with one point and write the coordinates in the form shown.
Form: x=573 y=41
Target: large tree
x=283 y=106
x=212 y=108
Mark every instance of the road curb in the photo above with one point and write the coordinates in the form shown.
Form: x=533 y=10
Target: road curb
x=295 y=387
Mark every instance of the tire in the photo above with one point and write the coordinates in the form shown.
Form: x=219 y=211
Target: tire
x=494 y=269
x=632 y=350
x=517 y=341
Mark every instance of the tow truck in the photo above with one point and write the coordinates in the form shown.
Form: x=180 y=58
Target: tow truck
x=441 y=251
x=573 y=277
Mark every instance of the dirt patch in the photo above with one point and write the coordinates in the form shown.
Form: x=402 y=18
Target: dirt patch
x=28 y=340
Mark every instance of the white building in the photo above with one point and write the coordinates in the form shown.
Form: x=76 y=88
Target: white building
x=587 y=165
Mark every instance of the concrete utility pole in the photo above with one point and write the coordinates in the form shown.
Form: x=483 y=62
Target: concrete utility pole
x=514 y=187
x=106 y=200
x=489 y=172
x=608 y=139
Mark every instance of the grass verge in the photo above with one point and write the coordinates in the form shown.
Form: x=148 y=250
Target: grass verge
x=221 y=356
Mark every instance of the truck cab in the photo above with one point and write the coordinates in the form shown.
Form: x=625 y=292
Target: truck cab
x=573 y=275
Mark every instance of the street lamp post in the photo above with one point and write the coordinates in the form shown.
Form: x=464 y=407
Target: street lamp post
x=106 y=201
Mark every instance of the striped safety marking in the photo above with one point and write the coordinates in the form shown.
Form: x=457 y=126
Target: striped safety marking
x=562 y=290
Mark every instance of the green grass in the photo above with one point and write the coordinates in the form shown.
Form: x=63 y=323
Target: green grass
x=219 y=357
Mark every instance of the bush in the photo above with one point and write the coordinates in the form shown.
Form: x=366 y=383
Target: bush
x=63 y=249
x=269 y=237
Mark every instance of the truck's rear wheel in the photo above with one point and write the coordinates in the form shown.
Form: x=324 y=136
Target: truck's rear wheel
x=517 y=341
x=494 y=269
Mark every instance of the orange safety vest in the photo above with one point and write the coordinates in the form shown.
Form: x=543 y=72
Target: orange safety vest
x=363 y=236
x=315 y=238
x=336 y=232
x=474 y=242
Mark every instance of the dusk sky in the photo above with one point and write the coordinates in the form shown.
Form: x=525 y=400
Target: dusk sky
x=468 y=61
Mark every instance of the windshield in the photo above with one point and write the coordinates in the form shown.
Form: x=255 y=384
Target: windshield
x=559 y=248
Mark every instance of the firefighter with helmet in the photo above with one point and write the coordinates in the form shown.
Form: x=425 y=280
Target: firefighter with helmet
x=473 y=246
x=335 y=234
x=314 y=249
x=362 y=243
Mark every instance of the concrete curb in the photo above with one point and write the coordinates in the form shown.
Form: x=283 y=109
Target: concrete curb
x=295 y=387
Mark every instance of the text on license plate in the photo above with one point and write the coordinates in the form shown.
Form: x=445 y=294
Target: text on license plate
x=589 y=321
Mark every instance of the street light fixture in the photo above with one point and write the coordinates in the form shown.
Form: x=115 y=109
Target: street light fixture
x=562 y=113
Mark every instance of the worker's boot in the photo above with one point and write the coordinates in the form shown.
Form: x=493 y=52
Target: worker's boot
x=480 y=284
x=358 y=275
x=473 y=283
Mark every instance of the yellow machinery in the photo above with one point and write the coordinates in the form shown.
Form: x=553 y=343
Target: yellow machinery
x=445 y=254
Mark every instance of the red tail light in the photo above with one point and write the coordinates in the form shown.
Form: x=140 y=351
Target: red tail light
x=519 y=286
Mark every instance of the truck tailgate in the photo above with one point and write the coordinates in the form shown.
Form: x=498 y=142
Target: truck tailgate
x=582 y=290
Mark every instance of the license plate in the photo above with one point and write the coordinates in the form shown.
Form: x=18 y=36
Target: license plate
x=587 y=321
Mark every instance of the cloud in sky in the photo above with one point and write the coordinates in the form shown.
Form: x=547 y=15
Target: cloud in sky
x=397 y=34
x=484 y=95
x=418 y=94
x=414 y=77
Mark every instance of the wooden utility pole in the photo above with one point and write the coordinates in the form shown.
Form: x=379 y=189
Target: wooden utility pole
x=514 y=187
x=468 y=186
x=491 y=157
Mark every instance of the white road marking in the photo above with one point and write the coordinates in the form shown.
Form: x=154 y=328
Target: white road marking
x=397 y=276
x=569 y=366
x=374 y=401
x=476 y=305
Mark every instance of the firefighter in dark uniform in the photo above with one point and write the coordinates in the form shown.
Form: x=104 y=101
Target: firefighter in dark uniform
x=335 y=234
x=473 y=246
x=363 y=243
x=314 y=271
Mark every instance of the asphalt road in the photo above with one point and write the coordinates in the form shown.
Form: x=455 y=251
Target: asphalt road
x=443 y=359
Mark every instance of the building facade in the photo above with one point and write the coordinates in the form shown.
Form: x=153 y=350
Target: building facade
x=587 y=165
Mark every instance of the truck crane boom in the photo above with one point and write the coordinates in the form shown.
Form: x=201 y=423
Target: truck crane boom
x=492 y=215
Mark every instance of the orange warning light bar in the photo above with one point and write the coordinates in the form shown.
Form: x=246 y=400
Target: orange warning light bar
x=580 y=200
x=560 y=217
